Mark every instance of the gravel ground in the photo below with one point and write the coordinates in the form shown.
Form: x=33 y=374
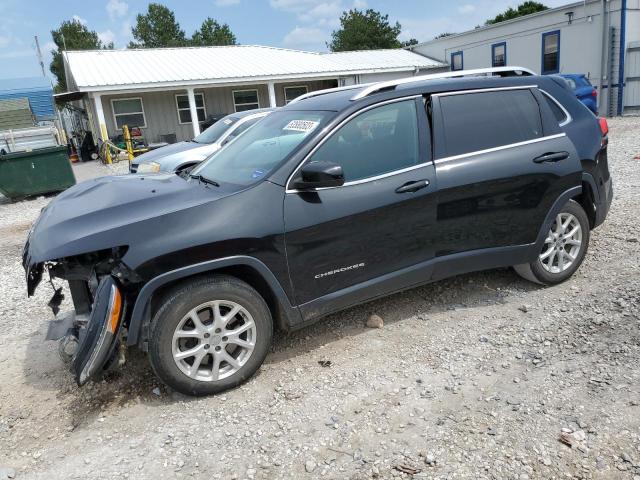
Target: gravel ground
x=479 y=377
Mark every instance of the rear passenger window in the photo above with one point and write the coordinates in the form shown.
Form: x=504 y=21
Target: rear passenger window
x=555 y=108
x=478 y=121
x=378 y=141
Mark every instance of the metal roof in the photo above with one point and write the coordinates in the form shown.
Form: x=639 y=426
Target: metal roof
x=96 y=70
x=37 y=89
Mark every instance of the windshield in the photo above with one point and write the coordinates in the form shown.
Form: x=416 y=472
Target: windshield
x=252 y=155
x=215 y=131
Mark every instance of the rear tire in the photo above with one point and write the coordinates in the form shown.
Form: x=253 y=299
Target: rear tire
x=210 y=335
x=564 y=249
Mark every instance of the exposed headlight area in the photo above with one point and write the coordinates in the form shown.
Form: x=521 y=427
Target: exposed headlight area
x=99 y=283
x=98 y=342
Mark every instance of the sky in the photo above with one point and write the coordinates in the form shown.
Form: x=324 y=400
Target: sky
x=297 y=24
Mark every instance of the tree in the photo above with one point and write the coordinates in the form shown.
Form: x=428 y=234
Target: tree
x=408 y=43
x=364 y=31
x=523 y=9
x=71 y=35
x=157 y=28
x=212 y=33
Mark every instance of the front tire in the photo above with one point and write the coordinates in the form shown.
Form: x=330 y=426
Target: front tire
x=563 y=250
x=210 y=335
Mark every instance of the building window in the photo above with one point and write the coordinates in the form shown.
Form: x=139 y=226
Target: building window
x=551 y=52
x=292 y=92
x=456 y=61
x=245 y=100
x=128 y=111
x=499 y=54
x=184 y=112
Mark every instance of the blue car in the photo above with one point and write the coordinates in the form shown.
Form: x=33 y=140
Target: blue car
x=583 y=89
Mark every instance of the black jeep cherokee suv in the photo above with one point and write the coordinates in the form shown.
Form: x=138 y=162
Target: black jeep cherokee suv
x=340 y=197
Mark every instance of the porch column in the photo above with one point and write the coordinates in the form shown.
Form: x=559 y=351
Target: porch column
x=272 y=94
x=194 y=112
x=102 y=124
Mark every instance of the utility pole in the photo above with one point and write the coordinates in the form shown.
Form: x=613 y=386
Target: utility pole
x=39 y=53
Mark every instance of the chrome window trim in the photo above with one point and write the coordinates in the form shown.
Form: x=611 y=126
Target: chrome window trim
x=483 y=90
x=497 y=149
x=334 y=130
x=569 y=117
x=365 y=180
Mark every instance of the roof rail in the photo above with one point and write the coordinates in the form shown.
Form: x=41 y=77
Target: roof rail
x=500 y=71
x=315 y=93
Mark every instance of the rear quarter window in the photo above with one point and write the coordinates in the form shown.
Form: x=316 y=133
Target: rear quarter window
x=479 y=121
x=557 y=111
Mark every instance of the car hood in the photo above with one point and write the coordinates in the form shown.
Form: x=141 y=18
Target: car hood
x=174 y=155
x=111 y=211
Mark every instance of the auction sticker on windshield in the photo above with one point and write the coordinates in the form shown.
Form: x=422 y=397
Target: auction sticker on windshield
x=301 y=125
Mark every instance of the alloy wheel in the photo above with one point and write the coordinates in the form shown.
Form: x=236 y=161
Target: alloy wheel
x=214 y=340
x=562 y=245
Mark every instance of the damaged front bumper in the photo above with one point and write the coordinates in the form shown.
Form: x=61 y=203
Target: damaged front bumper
x=90 y=342
x=91 y=335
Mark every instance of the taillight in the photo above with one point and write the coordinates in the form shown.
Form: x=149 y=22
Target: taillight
x=604 y=127
x=594 y=93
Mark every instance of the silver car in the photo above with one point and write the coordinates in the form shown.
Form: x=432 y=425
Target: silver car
x=184 y=155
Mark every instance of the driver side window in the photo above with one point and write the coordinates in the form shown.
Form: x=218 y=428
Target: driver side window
x=378 y=141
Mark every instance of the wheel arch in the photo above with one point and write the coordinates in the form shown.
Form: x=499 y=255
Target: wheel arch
x=570 y=194
x=248 y=269
x=589 y=197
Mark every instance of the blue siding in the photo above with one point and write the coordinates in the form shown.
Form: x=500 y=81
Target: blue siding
x=38 y=90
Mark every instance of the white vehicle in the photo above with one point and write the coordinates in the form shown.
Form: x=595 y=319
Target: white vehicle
x=185 y=155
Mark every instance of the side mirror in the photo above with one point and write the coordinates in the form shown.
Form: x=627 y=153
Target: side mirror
x=319 y=175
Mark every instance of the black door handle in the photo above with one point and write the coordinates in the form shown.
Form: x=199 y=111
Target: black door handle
x=551 y=157
x=413 y=186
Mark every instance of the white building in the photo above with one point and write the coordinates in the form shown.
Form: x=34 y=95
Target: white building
x=169 y=91
x=582 y=37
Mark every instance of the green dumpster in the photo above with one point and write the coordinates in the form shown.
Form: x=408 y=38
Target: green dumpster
x=32 y=173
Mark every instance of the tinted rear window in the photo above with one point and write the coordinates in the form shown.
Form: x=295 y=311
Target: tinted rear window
x=478 y=121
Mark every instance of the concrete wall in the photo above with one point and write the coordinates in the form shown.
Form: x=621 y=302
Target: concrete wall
x=580 y=41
